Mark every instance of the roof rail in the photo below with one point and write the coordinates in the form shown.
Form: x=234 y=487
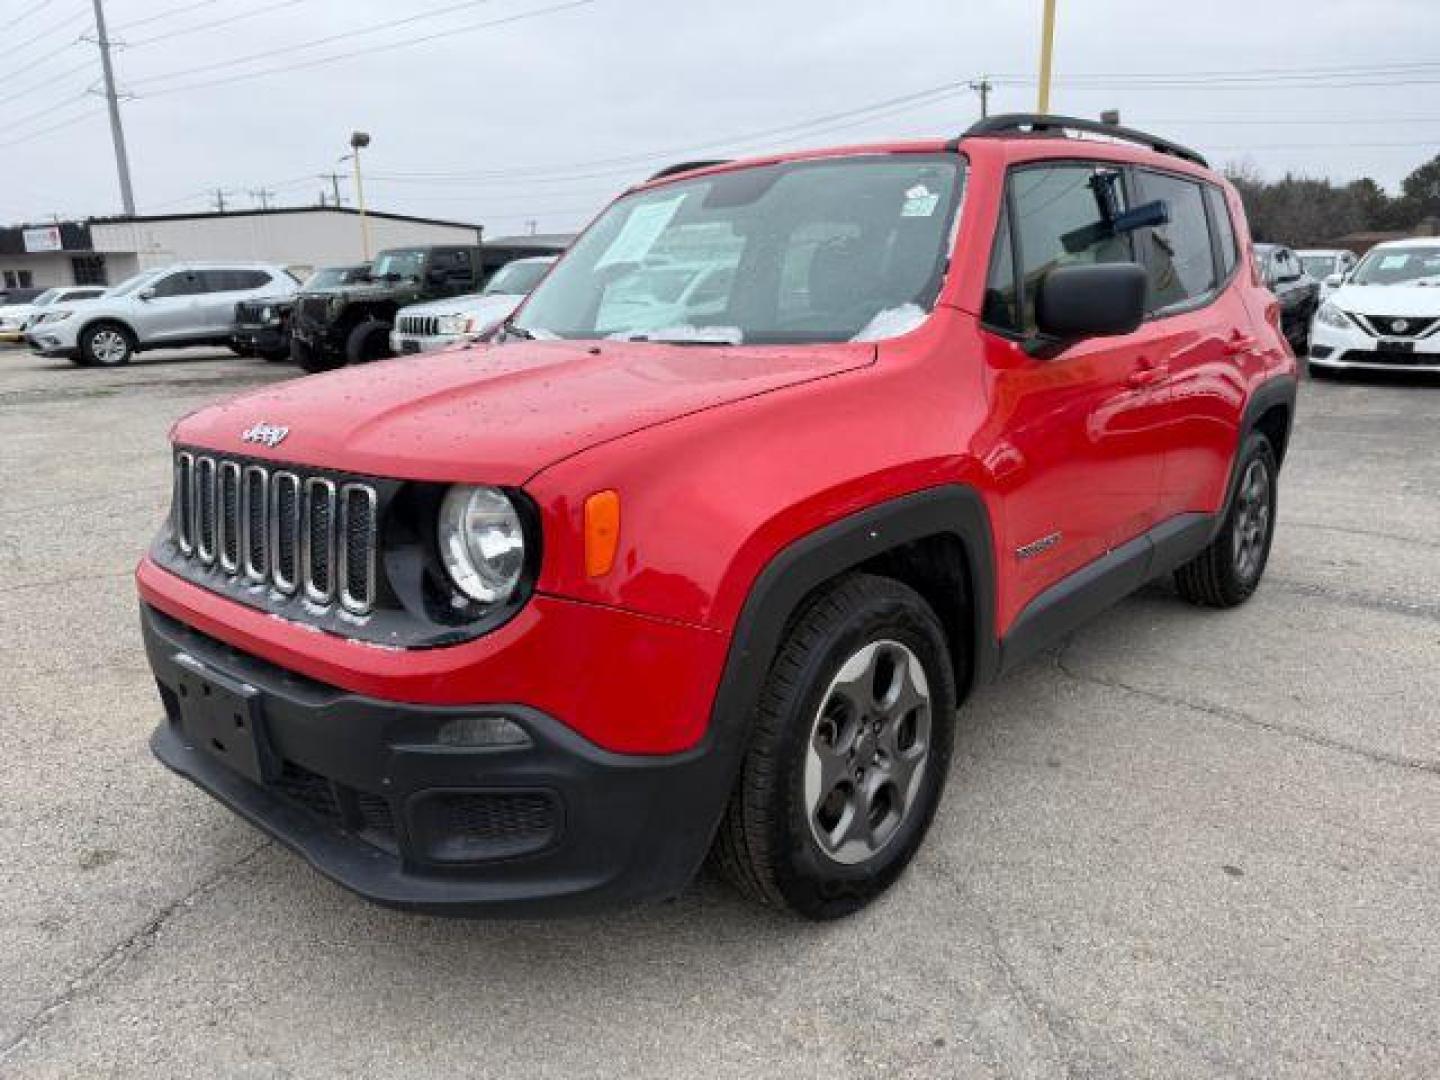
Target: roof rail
x=1040 y=124
x=686 y=166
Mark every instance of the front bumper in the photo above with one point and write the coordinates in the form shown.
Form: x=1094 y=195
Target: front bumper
x=261 y=339
x=1352 y=348
x=409 y=344
x=362 y=789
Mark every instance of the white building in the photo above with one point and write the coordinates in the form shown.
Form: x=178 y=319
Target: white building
x=105 y=251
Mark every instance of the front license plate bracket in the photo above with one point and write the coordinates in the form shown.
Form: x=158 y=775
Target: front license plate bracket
x=223 y=717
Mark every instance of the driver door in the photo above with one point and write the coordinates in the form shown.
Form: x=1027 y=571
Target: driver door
x=172 y=310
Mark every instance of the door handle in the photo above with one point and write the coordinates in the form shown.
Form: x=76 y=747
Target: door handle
x=1146 y=373
x=1239 y=345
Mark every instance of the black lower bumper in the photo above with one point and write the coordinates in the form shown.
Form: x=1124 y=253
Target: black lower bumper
x=261 y=339
x=370 y=795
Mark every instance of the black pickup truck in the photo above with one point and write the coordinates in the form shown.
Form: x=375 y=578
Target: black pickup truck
x=350 y=323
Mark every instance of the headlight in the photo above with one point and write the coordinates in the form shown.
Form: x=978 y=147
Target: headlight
x=455 y=324
x=482 y=543
x=53 y=317
x=1331 y=315
x=266 y=314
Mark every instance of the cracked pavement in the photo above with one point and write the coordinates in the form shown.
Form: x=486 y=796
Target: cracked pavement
x=1185 y=843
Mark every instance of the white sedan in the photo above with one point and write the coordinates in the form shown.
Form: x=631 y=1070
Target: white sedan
x=1386 y=316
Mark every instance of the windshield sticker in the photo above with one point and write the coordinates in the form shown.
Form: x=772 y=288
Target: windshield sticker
x=641 y=230
x=920 y=201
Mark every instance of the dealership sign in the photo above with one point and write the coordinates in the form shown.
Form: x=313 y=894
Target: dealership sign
x=46 y=239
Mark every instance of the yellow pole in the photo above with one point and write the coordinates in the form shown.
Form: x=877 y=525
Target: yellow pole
x=1047 y=41
x=360 y=202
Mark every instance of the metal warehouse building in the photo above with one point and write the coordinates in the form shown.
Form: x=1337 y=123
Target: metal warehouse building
x=105 y=251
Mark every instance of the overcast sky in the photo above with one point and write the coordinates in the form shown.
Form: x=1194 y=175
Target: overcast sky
x=557 y=104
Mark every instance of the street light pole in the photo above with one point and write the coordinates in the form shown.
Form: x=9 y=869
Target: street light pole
x=358 y=141
x=1047 y=42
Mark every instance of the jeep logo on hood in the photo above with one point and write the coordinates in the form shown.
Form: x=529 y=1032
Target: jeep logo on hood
x=269 y=434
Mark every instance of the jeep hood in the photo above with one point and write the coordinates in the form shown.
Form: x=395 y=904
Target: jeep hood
x=500 y=414
x=1389 y=301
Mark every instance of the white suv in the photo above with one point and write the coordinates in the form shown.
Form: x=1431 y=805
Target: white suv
x=186 y=304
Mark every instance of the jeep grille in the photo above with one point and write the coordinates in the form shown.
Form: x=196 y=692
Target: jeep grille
x=277 y=526
x=420 y=325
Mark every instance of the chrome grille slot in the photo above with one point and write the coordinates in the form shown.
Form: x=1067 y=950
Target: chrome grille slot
x=357 y=547
x=317 y=540
x=284 y=531
x=204 y=514
x=254 y=512
x=228 y=517
x=312 y=536
x=183 y=509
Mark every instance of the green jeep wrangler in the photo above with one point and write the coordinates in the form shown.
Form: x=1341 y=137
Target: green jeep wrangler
x=350 y=324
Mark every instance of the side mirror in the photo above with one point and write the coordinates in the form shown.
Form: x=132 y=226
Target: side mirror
x=1099 y=300
x=146 y=294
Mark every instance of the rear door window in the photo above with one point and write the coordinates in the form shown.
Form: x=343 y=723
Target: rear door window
x=1179 y=261
x=184 y=283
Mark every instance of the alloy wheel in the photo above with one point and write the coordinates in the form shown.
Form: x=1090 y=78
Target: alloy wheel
x=867 y=753
x=1252 y=520
x=109 y=346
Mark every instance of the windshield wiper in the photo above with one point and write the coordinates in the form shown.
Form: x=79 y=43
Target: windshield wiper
x=713 y=338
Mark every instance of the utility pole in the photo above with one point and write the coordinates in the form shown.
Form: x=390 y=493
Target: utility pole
x=220 y=194
x=1047 y=43
x=263 y=196
x=983 y=86
x=334 y=178
x=117 y=131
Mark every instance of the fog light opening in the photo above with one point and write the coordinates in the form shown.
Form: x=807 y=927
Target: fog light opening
x=474 y=731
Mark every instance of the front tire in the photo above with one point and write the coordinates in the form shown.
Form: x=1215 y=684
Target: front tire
x=369 y=341
x=311 y=360
x=849 y=755
x=1227 y=573
x=106 y=344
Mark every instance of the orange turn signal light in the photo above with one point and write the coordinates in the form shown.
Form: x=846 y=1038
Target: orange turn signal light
x=602 y=532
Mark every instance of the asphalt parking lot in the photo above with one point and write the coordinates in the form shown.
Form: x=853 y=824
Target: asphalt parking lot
x=1185 y=844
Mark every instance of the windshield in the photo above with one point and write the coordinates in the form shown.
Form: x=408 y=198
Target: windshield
x=517 y=278
x=827 y=250
x=329 y=276
x=1320 y=266
x=401 y=263
x=1399 y=266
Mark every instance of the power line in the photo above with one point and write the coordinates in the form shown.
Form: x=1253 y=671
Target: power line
x=183 y=31
x=388 y=46
x=329 y=39
x=86 y=66
x=33 y=11
x=69 y=20
x=167 y=13
x=53 y=127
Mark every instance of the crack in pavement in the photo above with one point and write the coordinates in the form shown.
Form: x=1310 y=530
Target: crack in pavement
x=1426 y=610
x=1243 y=719
x=116 y=957
x=1351 y=531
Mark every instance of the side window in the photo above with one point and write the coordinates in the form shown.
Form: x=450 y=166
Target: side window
x=1063 y=218
x=1178 y=258
x=1224 y=230
x=185 y=283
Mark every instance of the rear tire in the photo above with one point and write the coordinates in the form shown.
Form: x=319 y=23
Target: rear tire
x=849 y=754
x=106 y=344
x=1227 y=572
x=369 y=341
x=311 y=360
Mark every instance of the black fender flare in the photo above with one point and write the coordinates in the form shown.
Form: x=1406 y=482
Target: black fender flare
x=811 y=560
x=1279 y=390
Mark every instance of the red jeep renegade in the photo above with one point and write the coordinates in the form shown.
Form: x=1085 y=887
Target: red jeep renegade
x=704 y=548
